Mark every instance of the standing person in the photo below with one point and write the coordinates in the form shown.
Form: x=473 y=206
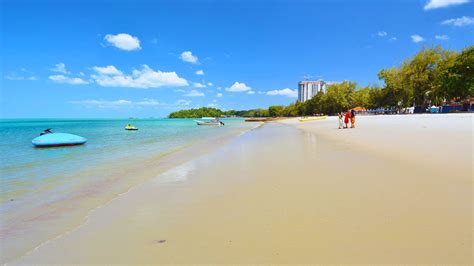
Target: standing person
x=346 y=119
x=353 y=118
x=341 y=124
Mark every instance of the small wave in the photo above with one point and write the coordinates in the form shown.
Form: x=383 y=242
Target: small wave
x=176 y=174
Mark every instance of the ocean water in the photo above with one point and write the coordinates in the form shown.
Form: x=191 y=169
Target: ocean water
x=34 y=177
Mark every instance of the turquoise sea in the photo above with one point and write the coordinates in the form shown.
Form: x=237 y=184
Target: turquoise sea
x=35 y=177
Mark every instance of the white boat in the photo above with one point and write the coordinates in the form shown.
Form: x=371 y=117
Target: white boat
x=209 y=121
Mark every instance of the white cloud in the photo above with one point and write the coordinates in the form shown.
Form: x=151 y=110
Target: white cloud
x=103 y=104
x=210 y=84
x=393 y=39
x=67 y=80
x=143 y=78
x=459 y=22
x=238 y=87
x=60 y=68
x=182 y=102
x=213 y=105
x=14 y=76
x=442 y=37
x=219 y=94
x=187 y=56
x=284 y=92
x=219 y=88
x=24 y=75
x=382 y=33
x=433 y=4
x=200 y=72
x=122 y=103
x=107 y=70
x=117 y=103
x=194 y=93
x=198 y=85
x=148 y=102
x=251 y=92
x=123 y=41
x=417 y=38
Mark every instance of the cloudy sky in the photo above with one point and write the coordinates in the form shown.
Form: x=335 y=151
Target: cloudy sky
x=148 y=58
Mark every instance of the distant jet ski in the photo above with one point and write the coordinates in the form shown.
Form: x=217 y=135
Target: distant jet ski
x=130 y=127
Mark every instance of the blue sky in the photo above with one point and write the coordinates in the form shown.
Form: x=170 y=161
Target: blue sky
x=147 y=58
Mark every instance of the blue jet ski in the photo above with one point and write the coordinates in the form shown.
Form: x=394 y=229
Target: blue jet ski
x=50 y=139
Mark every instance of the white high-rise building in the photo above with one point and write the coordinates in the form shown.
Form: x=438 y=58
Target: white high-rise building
x=308 y=89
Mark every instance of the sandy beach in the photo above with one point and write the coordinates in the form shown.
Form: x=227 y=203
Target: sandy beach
x=394 y=190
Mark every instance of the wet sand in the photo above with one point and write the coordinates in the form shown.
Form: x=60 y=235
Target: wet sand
x=30 y=227
x=292 y=192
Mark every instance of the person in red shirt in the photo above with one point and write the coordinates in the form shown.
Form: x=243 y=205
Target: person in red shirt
x=346 y=118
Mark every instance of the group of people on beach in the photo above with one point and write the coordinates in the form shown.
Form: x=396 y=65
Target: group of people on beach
x=348 y=116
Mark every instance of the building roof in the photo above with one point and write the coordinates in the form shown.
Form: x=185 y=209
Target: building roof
x=312 y=81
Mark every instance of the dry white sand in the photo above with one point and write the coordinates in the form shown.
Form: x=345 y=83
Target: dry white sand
x=444 y=139
x=397 y=189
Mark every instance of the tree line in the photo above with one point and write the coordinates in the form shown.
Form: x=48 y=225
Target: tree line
x=432 y=76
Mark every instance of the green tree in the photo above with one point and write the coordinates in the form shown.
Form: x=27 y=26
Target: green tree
x=420 y=73
x=275 y=110
x=440 y=89
x=395 y=93
x=338 y=97
x=376 y=98
x=360 y=97
x=292 y=110
x=459 y=75
x=197 y=113
x=314 y=105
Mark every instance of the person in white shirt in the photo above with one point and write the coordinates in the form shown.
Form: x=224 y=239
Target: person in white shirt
x=341 y=124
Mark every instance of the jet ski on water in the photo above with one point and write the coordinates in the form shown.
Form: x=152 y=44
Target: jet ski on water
x=130 y=127
x=49 y=139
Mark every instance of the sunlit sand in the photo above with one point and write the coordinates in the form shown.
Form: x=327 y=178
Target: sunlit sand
x=396 y=189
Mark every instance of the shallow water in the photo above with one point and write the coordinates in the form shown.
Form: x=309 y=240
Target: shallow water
x=27 y=170
x=40 y=179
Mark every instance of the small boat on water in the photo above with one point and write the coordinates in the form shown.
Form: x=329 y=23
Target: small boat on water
x=50 y=139
x=130 y=127
x=209 y=121
x=312 y=118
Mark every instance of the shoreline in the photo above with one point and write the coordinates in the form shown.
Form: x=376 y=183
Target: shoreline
x=91 y=197
x=287 y=194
